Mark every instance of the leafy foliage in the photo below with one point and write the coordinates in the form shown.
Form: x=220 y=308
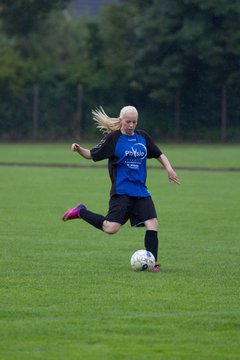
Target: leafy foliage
x=20 y=17
x=170 y=58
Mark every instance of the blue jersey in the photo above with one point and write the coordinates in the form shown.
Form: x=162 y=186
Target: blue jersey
x=127 y=156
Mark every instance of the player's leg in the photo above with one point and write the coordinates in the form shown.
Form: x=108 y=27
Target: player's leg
x=99 y=221
x=151 y=237
x=144 y=213
x=117 y=215
x=110 y=227
x=151 y=240
x=151 y=224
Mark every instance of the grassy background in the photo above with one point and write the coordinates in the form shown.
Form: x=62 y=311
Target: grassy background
x=211 y=155
x=67 y=290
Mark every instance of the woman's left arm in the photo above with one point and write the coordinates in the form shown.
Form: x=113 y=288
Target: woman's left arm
x=172 y=176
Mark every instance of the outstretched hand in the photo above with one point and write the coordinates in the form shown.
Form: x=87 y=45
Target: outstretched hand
x=172 y=176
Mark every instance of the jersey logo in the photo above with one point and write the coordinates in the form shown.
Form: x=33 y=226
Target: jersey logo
x=137 y=152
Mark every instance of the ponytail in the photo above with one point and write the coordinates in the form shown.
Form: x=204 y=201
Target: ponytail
x=105 y=123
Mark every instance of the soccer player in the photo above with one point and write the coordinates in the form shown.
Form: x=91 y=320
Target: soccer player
x=127 y=150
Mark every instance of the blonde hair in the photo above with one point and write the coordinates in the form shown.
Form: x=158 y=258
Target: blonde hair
x=108 y=124
x=126 y=110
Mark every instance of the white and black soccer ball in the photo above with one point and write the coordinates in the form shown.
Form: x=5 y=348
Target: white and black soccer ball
x=142 y=260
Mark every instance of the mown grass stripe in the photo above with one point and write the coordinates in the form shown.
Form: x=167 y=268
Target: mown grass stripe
x=88 y=166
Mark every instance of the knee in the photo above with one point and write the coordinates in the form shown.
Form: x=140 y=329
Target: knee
x=110 y=228
x=152 y=224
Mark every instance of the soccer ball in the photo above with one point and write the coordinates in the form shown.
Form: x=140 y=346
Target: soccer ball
x=142 y=260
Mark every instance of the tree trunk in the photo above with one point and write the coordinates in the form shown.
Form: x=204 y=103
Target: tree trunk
x=79 y=110
x=177 y=114
x=224 y=114
x=35 y=111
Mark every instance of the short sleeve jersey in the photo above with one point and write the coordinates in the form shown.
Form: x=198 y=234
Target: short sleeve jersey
x=127 y=155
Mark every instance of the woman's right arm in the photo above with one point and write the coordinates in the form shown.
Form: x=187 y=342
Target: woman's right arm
x=82 y=151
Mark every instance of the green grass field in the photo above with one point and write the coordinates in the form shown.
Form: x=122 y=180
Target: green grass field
x=67 y=289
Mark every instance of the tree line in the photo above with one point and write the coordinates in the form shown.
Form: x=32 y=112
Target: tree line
x=177 y=61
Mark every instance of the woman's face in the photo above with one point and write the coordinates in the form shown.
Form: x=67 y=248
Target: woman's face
x=128 y=123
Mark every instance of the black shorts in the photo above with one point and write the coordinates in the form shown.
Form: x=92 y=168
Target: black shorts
x=136 y=209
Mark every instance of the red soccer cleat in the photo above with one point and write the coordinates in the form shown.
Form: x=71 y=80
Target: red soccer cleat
x=73 y=213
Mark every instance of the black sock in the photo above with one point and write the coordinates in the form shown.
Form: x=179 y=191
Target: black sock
x=151 y=242
x=92 y=218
